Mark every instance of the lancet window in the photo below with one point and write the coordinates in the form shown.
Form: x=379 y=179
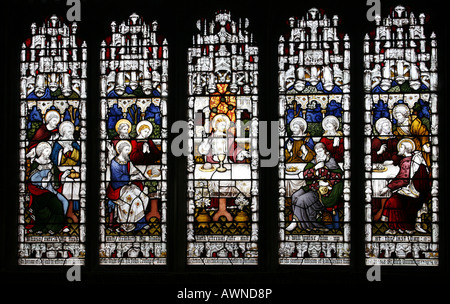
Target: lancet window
x=52 y=152
x=314 y=145
x=133 y=144
x=401 y=141
x=223 y=158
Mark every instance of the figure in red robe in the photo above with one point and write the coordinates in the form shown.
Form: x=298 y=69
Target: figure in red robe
x=47 y=131
x=144 y=150
x=332 y=138
x=411 y=189
x=384 y=146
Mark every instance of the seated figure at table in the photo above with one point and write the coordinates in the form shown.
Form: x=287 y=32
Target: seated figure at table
x=48 y=131
x=222 y=142
x=384 y=146
x=409 y=125
x=323 y=190
x=221 y=147
x=67 y=152
x=48 y=204
x=299 y=148
x=144 y=151
x=123 y=128
x=410 y=190
x=332 y=138
x=128 y=198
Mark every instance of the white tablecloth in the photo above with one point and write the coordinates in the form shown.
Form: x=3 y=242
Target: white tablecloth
x=381 y=179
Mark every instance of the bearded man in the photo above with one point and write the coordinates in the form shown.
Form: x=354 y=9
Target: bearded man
x=323 y=189
x=48 y=132
x=126 y=192
x=410 y=190
x=410 y=126
x=66 y=151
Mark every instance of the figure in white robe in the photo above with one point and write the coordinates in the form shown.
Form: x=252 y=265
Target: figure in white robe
x=126 y=190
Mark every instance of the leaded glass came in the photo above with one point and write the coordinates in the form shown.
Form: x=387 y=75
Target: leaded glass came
x=223 y=158
x=133 y=144
x=52 y=152
x=401 y=142
x=314 y=118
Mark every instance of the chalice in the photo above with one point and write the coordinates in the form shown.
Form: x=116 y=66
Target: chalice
x=221 y=158
x=221 y=152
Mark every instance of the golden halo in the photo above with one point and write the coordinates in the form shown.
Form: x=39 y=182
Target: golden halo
x=220 y=117
x=406 y=140
x=144 y=123
x=52 y=113
x=122 y=142
x=123 y=121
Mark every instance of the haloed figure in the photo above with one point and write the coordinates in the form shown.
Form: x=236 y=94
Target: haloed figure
x=144 y=151
x=409 y=125
x=222 y=142
x=332 y=138
x=298 y=147
x=323 y=189
x=66 y=151
x=123 y=129
x=126 y=192
x=47 y=131
x=411 y=189
x=49 y=206
x=384 y=146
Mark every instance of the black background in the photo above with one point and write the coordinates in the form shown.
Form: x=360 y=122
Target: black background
x=177 y=23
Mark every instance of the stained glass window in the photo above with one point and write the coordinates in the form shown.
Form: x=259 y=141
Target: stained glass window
x=133 y=143
x=314 y=119
x=223 y=158
x=401 y=143
x=52 y=173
